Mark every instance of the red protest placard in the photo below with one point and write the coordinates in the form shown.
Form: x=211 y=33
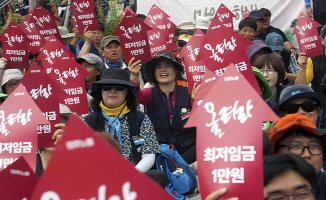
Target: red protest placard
x=156 y=16
x=67 y=73
x=32 y=33
x=15 y=45
x=45 y=92
x=85 y=15
x=308 y=37
x=45 y=23
x=20 y=117
x=53 y=50
x=157 y=41
x=194 y=70
x=228 y=157
x=116 y=179
x=169 y=29
x=127 y=8
x=133 y=38
x=73 y=20
x=162 y=38
x=70 y=76
x=207 y=83
x=245 y=14
x=225 y=16
x=226 y=47
x=17 y=177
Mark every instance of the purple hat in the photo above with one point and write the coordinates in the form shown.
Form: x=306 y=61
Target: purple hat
x=258 y=45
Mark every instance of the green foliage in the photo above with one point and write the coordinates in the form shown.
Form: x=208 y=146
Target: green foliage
x=14 y=16
x=289 y=35
x=108 y=16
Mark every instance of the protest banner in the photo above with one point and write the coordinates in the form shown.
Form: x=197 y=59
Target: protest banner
x=15 y=44
x=111 y=177
x=45 y=92
x=85 y=15
x=194 y=70
x=32 y=33
x=19 y=118
x=17 y=181
x=219 y=53
x=308 y=36
x=229 y=137
x=45 y=23
x=225 y=16
x=283 y=12
x=133 y=38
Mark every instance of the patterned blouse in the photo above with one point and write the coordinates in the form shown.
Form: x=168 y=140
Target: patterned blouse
x=147 y=133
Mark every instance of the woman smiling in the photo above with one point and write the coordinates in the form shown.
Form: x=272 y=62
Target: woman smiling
x=273 y=70
x=168 y=104
x=115 y=111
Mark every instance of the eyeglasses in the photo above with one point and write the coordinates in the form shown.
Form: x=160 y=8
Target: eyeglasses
x=268 y=71
x=307 y=106
x=11 y=85
x=302 y=194
x=116 y=87
x=314 y=149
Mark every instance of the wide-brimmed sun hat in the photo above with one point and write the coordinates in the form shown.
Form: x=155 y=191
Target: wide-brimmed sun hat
x=115 y=76
x=150 y=65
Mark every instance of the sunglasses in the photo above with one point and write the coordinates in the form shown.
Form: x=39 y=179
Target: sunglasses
x=307 y=106
x=116 y=87
x=181 y=43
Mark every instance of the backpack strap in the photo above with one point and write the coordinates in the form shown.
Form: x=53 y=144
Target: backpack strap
x=135 y=119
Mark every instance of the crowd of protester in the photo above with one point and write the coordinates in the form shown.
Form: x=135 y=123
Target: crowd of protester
x=115 y=88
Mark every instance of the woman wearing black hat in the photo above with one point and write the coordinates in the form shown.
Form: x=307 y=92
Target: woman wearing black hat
x=114 y=106
x=168 y=104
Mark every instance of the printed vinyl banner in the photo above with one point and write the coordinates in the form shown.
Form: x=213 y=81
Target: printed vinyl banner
x=284 y=12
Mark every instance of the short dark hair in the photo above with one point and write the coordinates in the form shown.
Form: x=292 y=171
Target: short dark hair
x=323 y=31
x=272 y=60
x=248 y=23
x=297 y=133
x=280 y=163
x=266 y=12
x=141 y=16
x=131 y=101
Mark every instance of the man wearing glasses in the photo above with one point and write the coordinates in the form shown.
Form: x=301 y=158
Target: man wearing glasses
x=298 y=134
x=301 y=99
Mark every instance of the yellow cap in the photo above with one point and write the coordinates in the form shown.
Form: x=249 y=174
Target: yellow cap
x=184 y=37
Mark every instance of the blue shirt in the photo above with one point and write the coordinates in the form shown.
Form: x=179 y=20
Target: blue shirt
x=77 y=50
x=92 y=48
